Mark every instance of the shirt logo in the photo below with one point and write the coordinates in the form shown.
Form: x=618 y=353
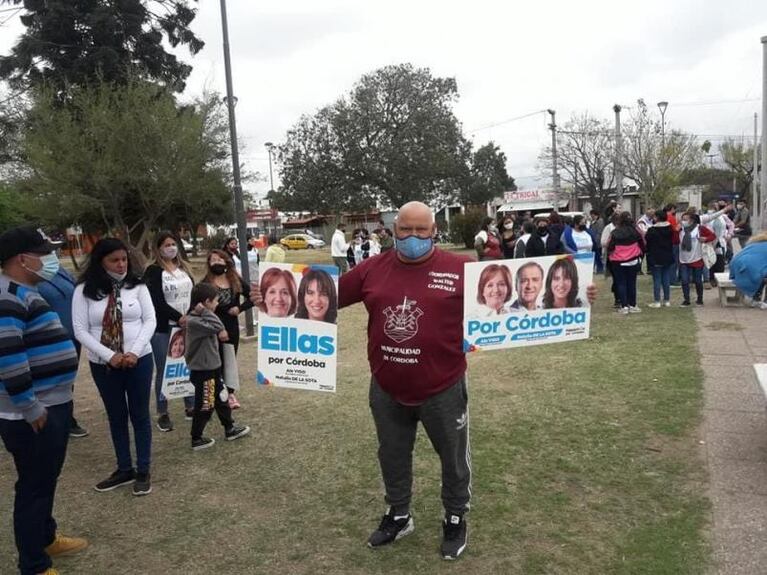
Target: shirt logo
x=402 y=321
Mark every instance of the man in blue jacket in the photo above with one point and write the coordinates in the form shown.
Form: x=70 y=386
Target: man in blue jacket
x=58 y=293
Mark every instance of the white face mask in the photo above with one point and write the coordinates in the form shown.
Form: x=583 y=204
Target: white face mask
x=117 y=277
x=509 y=226
x=169 y=252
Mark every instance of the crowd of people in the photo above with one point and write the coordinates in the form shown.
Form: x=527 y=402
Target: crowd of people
x=124 y=319
x=685 y=250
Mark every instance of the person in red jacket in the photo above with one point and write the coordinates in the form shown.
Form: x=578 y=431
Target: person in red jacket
x=691 y=238
x=414 y=298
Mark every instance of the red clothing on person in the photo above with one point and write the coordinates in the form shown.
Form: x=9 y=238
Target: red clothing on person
x=492 y=248
x=671 y=218
x=415 y=321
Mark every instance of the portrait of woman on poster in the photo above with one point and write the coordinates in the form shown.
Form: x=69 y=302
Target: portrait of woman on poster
x=317 y=299
x=177 y=345
x=562 y=285
x=494 y=290
x=278 y=290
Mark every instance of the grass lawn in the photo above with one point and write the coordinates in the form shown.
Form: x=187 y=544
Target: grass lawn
x=585 y=462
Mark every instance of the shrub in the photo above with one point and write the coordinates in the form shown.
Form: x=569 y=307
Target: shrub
x=463 y=227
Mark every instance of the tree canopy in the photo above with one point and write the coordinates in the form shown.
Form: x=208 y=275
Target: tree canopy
x=392 y=139
x=70 y=43
x=126 y=160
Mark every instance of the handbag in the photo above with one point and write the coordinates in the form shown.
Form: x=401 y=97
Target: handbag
x=709 y=254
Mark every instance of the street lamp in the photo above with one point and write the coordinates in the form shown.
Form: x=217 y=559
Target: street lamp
x=662 y=107
x=269 y=147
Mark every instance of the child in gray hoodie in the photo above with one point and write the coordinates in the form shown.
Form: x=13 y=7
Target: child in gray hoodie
x=203 y=332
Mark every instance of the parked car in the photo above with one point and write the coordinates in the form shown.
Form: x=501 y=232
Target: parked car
x=301 y=242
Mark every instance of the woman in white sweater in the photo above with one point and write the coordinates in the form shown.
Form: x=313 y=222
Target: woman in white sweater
x=114 y=319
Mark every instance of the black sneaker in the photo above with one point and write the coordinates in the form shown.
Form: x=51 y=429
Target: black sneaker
x=237 y=431
x=391 y=529
x=202 y=443
x=685 y=304
x=700 y=303
x=164 y=423
x=143 y=484
x=189 y=414
x=117 y=479
x=455 y=536
x=76 y=430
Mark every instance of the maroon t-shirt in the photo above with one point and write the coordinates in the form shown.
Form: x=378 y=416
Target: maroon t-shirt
x=415 y=321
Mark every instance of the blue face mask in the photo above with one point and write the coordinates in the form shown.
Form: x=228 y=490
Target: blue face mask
x=413 y=247
x=50 y=267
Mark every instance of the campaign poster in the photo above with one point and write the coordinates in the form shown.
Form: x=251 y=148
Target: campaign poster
x=175 y=378
x=297 y=331
x=528 y=301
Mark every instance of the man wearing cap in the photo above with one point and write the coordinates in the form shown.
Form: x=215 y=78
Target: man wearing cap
x=38 y=365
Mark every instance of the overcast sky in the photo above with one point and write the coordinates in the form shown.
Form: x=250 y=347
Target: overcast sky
x=509 y=59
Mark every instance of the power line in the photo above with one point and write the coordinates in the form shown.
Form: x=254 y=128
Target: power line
x=488 y=126
x=714 y=103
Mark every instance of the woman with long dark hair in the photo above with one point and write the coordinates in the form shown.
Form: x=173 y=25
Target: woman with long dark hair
x=114 y=319
x=317 y=299
x=170 y=283
x=562 y=285
x=625 y=250
x=233 y=299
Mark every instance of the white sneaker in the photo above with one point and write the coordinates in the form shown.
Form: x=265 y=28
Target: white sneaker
x=654 y=305
x=666 y=304
x=634 y=309
x=623 y=311
x=759 y=304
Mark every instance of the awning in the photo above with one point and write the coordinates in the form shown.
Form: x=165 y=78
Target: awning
x=530 y=206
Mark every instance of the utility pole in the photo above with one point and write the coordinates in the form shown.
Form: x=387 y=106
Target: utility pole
x=239 y=205
x=755 y=196
x=618 y=167
x=269 y=147
x=764 y=128
x=554 y=169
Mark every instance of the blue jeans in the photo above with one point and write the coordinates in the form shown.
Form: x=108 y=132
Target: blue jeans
x=125 y=393
x=661 y=278
x=694 y=274
x=160 y=352
x=39 y=458
x=599 y=267
x=625 y=279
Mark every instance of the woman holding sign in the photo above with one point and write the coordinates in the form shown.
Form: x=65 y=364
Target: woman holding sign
x=317 y=299
x=170 y=284
x=562 y=285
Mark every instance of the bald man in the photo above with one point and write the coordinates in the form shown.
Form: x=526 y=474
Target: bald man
x=414 y=297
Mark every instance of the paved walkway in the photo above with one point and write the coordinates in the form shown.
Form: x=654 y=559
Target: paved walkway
x=731 y=340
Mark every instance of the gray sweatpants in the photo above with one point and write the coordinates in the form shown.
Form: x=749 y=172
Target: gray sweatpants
x=445 y=417
x=342 y=264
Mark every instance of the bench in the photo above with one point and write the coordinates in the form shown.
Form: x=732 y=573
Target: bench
x=728 y=293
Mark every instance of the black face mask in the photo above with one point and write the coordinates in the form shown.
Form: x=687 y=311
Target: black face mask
x=543 y=230
x=581 y=227
x=218 y=269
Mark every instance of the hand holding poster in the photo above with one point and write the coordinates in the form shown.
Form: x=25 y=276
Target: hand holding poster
x=297 y=330
x=530 y=301
x=175 y=377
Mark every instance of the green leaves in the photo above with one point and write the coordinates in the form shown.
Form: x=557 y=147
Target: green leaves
x=392 y=139
x=73 y=43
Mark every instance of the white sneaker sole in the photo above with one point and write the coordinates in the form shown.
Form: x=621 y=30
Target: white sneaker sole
x=113 y=487
x=242 y=433
x=211 y=443
x=140 y=493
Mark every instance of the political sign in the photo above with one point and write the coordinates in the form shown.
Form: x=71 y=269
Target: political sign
x=297 y=331
x=175 y=377
x=528 y=301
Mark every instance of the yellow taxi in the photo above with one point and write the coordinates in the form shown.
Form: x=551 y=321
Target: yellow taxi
x=301 y=242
